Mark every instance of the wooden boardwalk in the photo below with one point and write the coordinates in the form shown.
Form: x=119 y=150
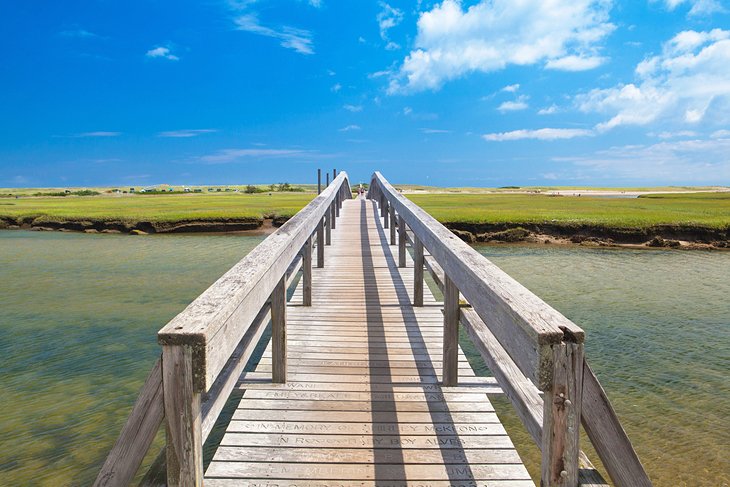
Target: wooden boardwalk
x=363 y=404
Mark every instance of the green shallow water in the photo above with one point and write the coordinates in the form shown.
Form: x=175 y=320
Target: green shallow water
x=79 y=314
x=657 y=336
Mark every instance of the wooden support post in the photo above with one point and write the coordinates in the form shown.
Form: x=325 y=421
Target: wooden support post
x=402 y=242
x=386 y=214
x=278 y=332
x=333 y=214
x=392 y=226
x=327 y=227
x=383 y=202
x=307 y=273
x=320 y=244
x=451 y=333
x=319 y=181
x=561 y=417
x=182 y=418
x=327 y=180
x=338 y=204
x=417 y=272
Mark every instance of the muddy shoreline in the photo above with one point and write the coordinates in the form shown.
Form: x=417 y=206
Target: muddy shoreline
x=661 y=236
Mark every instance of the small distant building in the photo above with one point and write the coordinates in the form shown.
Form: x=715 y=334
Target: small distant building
x=131 y=190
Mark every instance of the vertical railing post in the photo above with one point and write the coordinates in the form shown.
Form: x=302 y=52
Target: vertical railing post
x=327 y=227
x=320 y=244
x=561 y=417
x=386 y=214
x=338 y=203
x=401 y=242
x=417 y=272
x=383 y=203
x=319 y=181
x=392 y=226
x=451 y=333
x=333 y=214
x=278 y=332
x=184 y=452
x=307 y=273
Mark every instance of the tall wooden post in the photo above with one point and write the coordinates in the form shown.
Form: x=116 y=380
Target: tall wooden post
x=392 y=226
x=183 y=417
x=307 y=273
x=319 y=181
x=278 y=332
x=562 y=404
x=338 y=203
x=386 y=214
x=417 y=272
x=327 y=177
x=333 y=214
x=383 y=202
x=320 y=244
x=401 y=242
x=451 y=333
x=327 y=227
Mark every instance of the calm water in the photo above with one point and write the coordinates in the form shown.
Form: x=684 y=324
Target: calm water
x=79 y=314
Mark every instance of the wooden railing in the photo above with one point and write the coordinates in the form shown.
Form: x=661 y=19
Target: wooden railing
x=527 y=345
x=206 y=347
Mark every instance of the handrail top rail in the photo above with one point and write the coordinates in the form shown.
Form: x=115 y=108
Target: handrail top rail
x=473 y=273
x=216 y=320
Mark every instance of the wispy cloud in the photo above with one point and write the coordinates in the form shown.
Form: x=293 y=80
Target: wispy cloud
x=514 y=105
x=387 y=18
x=79 y=33
x=185 y=133
x=539 y=134
x=336 y=88
x=162 y=52
x=97 y=134
x=353 y=108
x=697 y=7
x=548 y=110
x=435 y=131
x=511 y=88
x=226 y=156
x=300 y=40
x=349 y=128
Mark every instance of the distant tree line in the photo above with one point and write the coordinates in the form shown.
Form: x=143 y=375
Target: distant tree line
x=281 y=187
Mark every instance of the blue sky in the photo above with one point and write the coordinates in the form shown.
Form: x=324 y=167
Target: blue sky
x=470 y=93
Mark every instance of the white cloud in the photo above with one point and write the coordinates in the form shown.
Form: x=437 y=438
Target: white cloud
x=353 y=108
x=575 y=63
x=698 y=7
x=349 y=128
x=336 y=88
x=493 y=34
x=684 y=161
x=435 y=131
x=674 y=135
x=162 y=53
x=548 y=110
x=688 y=83
x=511 y=88
x=98 y=134
x=315 y=3
x=79 y=33
x=185 y=133
x=232 y=155
x=300 y=40
x=539 y=134
x=515 y=105
x=720 y=134
x=388 y=18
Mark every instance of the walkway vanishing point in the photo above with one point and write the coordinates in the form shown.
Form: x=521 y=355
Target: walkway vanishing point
x=363 y=382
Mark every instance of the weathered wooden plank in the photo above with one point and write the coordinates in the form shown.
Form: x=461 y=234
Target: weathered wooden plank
x=366 y=456
x=365 y=428
x=137 y=434
x=411 y=473
x=390 y=406
x=294 y=440
x=228 y=482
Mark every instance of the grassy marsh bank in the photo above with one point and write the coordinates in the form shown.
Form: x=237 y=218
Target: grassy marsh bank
x=702 y=217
